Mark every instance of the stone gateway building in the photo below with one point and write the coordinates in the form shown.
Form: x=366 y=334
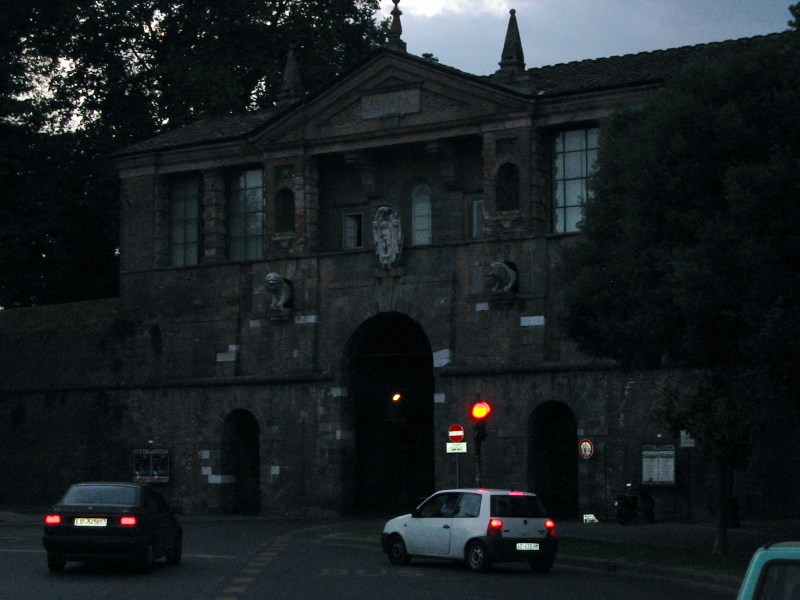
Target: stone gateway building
x=311 y=296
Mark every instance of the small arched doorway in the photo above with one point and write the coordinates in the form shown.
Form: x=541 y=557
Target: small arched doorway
x=553 y=458
x=240 y=459
x=394 y=456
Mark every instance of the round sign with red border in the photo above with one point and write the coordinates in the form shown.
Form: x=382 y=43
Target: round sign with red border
x=455 y=433
x=586 y=449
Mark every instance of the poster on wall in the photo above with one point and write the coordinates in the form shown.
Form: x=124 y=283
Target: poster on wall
x=151 y=465
x=658 y=464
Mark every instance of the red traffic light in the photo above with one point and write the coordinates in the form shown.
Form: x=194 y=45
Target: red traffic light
x=480 y=410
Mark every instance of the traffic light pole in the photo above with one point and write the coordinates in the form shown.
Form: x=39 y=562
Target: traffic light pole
x=480 y=411
x=477 y=461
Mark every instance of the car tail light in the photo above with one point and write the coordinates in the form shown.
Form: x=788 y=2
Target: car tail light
x=550 y=527
x=495 y=528
x=52 y=520
x=128 y=521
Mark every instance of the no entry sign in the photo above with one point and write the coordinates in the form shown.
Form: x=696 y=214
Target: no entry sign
x=455 y=433
x=586 y=449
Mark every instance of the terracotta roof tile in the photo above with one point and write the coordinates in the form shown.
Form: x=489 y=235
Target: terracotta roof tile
x=631 y=69
x=206 y=130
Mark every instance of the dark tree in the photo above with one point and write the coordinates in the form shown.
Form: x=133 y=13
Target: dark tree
x=687 y=255
x=794 y=9
x=80 y=80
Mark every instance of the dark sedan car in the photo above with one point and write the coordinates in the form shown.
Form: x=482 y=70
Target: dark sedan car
x=109 y=522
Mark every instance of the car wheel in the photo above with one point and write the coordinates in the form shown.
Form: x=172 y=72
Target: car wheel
x=477 y=557
x=398 y=555
x=147 y=559
x=542 y=564
x=174 y=553
x=55 y=565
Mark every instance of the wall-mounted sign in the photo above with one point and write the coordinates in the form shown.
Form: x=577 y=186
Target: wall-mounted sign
x=687 y=441
x=658 y=464
x=586 y=449
x=151 y=465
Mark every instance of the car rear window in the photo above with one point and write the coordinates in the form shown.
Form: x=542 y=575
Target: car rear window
x=101 y=494
x=517 y=506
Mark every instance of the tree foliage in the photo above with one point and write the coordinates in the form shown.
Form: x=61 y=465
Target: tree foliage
x=794 y=9
x=687 y=255
x=689 y=241
x=79 y=80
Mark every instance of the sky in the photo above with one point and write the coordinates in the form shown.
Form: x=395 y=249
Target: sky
x=469 y=34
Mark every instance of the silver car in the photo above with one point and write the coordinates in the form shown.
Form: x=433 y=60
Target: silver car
x=477 y=526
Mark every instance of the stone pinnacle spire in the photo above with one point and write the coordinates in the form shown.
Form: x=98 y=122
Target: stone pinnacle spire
x=291 y=87
x=396 y=30
x=512 y=59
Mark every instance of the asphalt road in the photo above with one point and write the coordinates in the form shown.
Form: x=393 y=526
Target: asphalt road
x=254 y=559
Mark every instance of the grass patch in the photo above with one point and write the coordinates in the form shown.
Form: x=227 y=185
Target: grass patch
x=671 y=558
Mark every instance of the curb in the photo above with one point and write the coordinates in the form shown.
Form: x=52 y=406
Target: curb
x=599 y=564
x=20 y=518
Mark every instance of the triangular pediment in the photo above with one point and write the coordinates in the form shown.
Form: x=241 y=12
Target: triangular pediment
x=390 y=95
x=390 y=82
x=388 y=102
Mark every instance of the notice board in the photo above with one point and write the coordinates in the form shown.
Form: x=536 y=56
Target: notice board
x=658 y=464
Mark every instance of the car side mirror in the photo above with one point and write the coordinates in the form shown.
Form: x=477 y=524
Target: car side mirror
x=415 y=513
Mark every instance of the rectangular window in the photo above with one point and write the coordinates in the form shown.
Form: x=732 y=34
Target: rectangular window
x=245 y=203
x=477 y=218
x=574 y=158
x=184 y=221
x=352 y=235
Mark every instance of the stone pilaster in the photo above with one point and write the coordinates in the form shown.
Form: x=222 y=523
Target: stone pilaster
x=213 y=206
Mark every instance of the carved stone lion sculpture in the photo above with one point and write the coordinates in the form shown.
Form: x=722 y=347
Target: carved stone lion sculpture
x=280 y=289
x=504 y=276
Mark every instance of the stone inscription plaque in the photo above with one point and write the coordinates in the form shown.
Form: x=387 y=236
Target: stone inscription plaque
x=388 y=104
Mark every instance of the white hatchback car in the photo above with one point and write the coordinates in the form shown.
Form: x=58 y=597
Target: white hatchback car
x=476 y=526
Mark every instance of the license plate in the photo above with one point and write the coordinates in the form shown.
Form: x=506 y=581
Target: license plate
x=527 y=546
x=90 y=522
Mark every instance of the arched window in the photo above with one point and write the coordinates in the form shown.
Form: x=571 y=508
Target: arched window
x=477 y=218
x=507 y=190
x=284 y=212
x=421 y=215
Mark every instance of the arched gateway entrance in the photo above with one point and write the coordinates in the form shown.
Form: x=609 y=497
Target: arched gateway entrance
x=394 y=461
x=553 y=458
x=240 y=459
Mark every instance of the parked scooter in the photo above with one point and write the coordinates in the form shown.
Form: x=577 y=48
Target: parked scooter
x=635 y=505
